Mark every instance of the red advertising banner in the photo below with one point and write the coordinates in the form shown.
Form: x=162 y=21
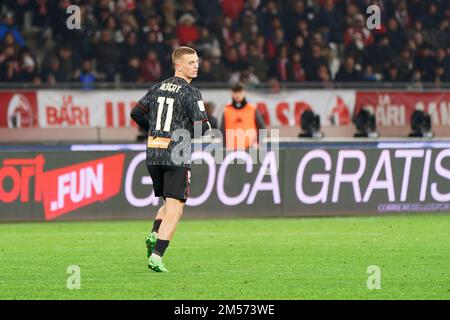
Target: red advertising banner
x=18 y=109
x=396 y=108
x=77 y=186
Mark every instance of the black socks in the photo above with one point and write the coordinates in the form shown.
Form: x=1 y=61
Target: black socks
x=156 y=225
x=160 y=247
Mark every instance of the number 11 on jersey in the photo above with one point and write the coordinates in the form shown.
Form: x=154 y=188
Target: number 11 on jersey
x=167 y=123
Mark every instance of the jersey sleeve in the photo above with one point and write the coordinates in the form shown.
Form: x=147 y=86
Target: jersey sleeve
x=195 y=107
x=145 y=101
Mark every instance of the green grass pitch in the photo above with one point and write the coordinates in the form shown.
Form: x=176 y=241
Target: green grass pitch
x=309 y=258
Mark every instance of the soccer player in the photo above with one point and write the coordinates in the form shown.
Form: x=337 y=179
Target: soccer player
x=169 y=105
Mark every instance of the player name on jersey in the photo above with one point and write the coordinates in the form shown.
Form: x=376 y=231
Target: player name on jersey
x=170 y=87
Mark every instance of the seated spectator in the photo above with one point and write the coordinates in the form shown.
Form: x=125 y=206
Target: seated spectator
x=131 y=72
x=348 y=72
x=53 y=73
x=369 y=74
x=87 y=76
x=296 y=72
x=28 y=68
x=150 y=69
x=8 y=27
x=107 y=55
x=187 y=31
x=205 y=72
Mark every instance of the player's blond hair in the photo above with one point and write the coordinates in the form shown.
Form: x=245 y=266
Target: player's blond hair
x=181 y=51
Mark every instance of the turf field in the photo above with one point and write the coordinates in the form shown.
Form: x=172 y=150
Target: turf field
x=324 y=258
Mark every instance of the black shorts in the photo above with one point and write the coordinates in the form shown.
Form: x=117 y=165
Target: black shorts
x=170 y=181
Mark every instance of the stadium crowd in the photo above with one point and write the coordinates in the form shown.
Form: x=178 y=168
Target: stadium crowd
x=251 y=41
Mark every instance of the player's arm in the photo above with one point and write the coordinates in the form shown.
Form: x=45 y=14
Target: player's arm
x=139 y=114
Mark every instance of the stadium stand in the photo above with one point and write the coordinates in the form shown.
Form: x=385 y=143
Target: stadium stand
x=251 y=41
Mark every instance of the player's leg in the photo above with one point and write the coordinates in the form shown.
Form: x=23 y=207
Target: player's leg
x=176 y=189
x=174 y=211
x=156 y=173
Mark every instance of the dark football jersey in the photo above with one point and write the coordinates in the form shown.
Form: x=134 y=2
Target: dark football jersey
x=171 y=105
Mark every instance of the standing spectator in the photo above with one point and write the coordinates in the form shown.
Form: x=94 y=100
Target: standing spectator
x=241 y=121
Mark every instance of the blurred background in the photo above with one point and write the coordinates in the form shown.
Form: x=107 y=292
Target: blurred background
x=318 y=55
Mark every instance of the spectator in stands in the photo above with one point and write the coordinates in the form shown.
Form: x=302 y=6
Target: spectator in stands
x=282 y=64
x=258 y=64
x=67 y=62
x=205 y=72
x=150 y=69
x=152 y=44
x=107 y=55
x=369 y=74
x=87 y=76
x=233 y=27
x=296 y=72
x=232 y=8
x=206 y=43
x=28 y=68
x=218 y=70
x=53 y=73
x=244 y=76
x=209 y=108
x=314 y=62
x=187 y=31
x=404 y=65
x=7 y=27
x=130 y=48
x=329 y=21
x=131 y=72
x=348 y=72
x=210 y=11
x=391 y=74
x=323 y=75
x=9 y=70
